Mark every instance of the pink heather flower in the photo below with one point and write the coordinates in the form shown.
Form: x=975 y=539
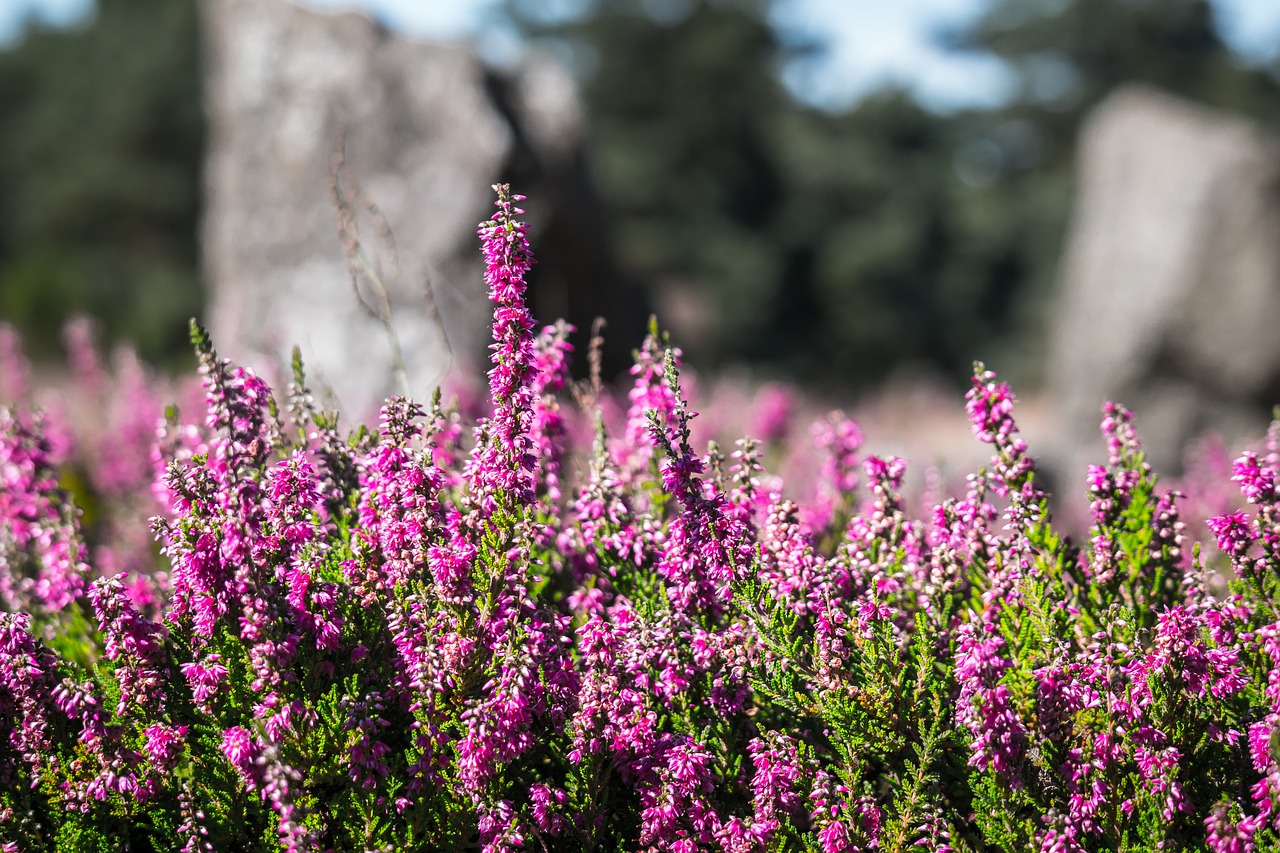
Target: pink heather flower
x=839 y=438
x=131 y=640
x=707 y=543
x=26 y=683
x=293 y=494
x=200 y=578
x=37 y=520
x=605 y=526
x=1180 y=656
x=1169 y=539
x=236 y=400
x=500 y=827
x=1233 y=532
x=242 y=751
x=774 y=783
x=549 y=428
x=652 y=401
x=1110 y=492
x=1228 y=836
x=164 y=744
x=1259 y=738
x=1086 y=773
x=775 y=404
x=503 y=461
x=451 y=561
x=547 y=803
x=205 y=679
x=399 y=505
x=192 y=831
x=985 y=706
x=834 y=838
x=366 y=757
x=887 y=472
x=789 y=565
x=1159 y=770
x=1123 y=445
x=990 y=407
x=1257 y=482
x=1060 y=693
x=172 y=448
x=961 y=530
x=687 y=765
x=674 y=796
x=535 y=683
x=278 y=782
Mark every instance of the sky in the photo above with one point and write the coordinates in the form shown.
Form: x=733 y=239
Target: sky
x=870 y=42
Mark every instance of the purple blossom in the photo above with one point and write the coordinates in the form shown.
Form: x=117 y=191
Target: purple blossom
x=1181 y=655
x=839 y=438
x=399 y=508
x=548 y=675
x=1159 y=770
x=653 y=400
x=990 y=408
x=1257 y=480
x=243 y=751
x=547 y=802
x=1229 y=836
x=40 y=528
x=834 y=838
x=367 y=753
x=26 y=677
x=775 y=405
x=1234 y=533
x=164 y=744
x=1123 y=446
x=707 y=542
x=985 y=706
x=504 y=460
x=774 y=783
x=205 y=679
x=548 y=425
x=134 y=642
x=789 y=564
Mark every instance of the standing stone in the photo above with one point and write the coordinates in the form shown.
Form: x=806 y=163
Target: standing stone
x=428 y=128
x=1170 y=281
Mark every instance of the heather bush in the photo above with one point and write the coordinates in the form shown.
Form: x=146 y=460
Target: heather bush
x=564 y=630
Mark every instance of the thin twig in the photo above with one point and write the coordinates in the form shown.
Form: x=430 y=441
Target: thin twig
x=358 y=265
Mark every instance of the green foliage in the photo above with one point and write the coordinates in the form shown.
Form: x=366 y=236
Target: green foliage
x=835 y=244
x=101 y=135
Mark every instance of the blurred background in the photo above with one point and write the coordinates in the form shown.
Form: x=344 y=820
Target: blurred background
x=829 y=192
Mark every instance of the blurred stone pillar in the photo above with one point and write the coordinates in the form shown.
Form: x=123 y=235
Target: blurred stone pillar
x=1170 y=281
x=428 y=129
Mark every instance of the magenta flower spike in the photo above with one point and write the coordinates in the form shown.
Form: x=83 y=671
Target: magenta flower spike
x=504 y=459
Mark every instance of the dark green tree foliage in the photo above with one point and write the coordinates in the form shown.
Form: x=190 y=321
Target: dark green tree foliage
x=837 y=245
x=1070 y=55
x=833 y=246
x=101 y=129
x=682 y=109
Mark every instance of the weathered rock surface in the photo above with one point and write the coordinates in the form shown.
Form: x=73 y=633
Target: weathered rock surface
x=1170 y=280
x=428 y=129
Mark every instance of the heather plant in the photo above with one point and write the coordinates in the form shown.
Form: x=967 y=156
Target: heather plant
x=106 y=437
x=555 y=629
